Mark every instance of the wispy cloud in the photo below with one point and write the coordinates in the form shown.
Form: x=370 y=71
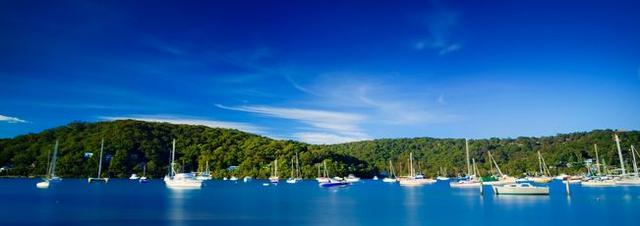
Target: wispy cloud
x=185 y=120
x=441 y=22
x=324 y=124
x=10 y=119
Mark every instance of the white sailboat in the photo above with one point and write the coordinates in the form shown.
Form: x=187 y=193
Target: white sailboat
x=180 y=180
x=470 y=179
x=143 y=178
x=206 y=175
x=544 y=172
x=274 y=179
x=392 y=175
x=335 y=182
x=500 y=179
x=632 y=179
x=412 y=180
x=99 y=178
x=443 y=175
x=295 y=171
x=51 y=169
x=325 y=177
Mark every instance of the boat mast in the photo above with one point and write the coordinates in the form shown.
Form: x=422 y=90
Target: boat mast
x=53 y=160
x=496 y=163
x=595 y=146
x=326 y=173
x=292 y=167
x=173 y=158
x=297 y=166
x=475 y=168
x=99 y=162
x=540 y=163
x=466 y=144
x=275 y=169
x=635 y=166
x=620 y=153
x=412 y=172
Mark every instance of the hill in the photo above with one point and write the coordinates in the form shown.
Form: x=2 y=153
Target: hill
x=130 y=144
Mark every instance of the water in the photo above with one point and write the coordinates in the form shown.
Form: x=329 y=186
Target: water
x=74 y=202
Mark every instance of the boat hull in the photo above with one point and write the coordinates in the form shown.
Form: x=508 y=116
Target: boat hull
x=43 y=184
x=92 y=179
x=504 y=190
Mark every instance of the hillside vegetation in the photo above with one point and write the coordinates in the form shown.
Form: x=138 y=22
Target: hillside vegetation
x=131 y=144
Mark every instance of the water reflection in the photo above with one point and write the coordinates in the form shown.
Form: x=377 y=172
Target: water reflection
x=178 y=212
x=411 y=205
x=522 y=199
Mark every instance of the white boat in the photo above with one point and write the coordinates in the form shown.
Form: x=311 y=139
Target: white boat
x=99 y=178
x=500 y=178
x=543 y=174
x=225 y=178
x=246 y=179
x=325 y=177
x=352 y=179
x=336 y=182
x=143 y=178
x=374 y=178
x=520 y=189
x=412 y=180
x=274 y=179
x=176 y=180
x=134 y=177
x=51 y=170
x=43 y=184
x=206 y=175
x=469 y=181
x=295 y=171
x=233 y=178
x=598 y=183
x=443 y=175
x=632 y=179
x=392 y=175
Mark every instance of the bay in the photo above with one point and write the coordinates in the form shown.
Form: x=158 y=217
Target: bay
x=125 y=202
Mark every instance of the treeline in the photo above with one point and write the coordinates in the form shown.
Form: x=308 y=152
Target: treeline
x=130 y=145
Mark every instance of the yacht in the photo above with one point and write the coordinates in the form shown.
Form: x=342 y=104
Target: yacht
x=391 y=178
x=246 y=179
x=469 y=181
x=134 y=177
x=325 y=177
x=233 y=178
x=520 y=189
x=99 y=178
x=352 y=179
x=143 y=178
x=274 y=179
x=374 y=178
x=206 y=175
x=413 y=179
x=51 y=169
x=176 y=180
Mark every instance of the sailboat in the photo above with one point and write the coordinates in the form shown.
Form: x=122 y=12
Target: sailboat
x=336 y=182
x=206 y=175
x=500 y=178
x=544 y=172
x=470 y=180
x=295 y=171
x=411 y=179
x=392 y=175
x=98 y=178
x=325 y=176
x=632 y=179
x=51 y=169
x=143 y=178
x=179 y=180
x=274 y=179
x=443 y=174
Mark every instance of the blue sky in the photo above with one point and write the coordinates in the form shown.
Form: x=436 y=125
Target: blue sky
x=324 y=72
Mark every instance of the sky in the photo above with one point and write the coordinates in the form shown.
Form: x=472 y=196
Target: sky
x=324 y=72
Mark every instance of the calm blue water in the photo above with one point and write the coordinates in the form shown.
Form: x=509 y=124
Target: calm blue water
x=74 y=202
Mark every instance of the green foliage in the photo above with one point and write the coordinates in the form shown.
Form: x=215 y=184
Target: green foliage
x=131 y=144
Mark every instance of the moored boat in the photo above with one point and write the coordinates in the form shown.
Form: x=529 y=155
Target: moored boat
x=176 y=180
x=99 y=177
x=520 y=189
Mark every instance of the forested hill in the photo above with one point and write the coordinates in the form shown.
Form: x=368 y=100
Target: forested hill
x=131 y=144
